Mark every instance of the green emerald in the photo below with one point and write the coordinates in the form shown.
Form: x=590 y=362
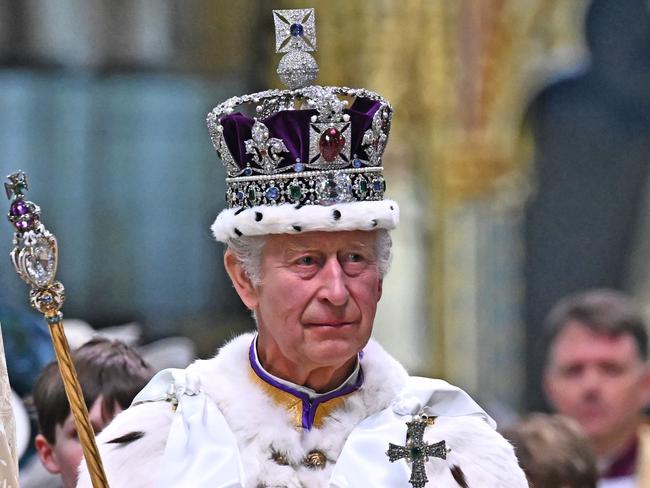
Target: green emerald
x=252 y=194
x=416 y=452
x=363 y=187
x=295 y=192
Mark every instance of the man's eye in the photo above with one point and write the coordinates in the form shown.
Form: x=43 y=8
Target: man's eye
x=306 y=260
x=613 y=369
x=571 y=371
x=355 y=258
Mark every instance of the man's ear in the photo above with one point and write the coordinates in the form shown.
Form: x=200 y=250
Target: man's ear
x=46 y=454
x=645 y=386
x=240 y=280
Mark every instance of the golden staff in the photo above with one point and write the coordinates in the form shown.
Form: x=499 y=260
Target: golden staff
x=35 y=258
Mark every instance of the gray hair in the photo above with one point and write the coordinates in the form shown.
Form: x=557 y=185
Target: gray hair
x=248 y=250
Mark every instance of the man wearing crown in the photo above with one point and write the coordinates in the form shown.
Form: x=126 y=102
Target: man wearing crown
x=309 y=400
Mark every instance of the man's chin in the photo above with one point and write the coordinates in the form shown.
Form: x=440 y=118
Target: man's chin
x=333 y=352
x=596 y=429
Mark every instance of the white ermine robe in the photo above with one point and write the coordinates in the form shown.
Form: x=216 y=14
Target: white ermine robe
x=217 y=424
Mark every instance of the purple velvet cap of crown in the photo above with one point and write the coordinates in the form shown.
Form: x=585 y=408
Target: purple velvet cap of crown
x=293 y=126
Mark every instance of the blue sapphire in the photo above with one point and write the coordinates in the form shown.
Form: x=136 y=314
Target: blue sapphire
x=240 y=196
x=356 y=163
x=296 y=30
x=378 y=186
x=272 y=193
x=248 y=171
x=298 y=167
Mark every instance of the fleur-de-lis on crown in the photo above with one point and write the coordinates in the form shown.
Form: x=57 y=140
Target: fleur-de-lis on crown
x=265 y=149
x=375 y=138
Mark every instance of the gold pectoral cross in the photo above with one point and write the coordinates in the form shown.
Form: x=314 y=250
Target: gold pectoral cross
x=417 y=451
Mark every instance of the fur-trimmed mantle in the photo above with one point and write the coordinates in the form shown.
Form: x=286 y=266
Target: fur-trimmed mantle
x=353 y=438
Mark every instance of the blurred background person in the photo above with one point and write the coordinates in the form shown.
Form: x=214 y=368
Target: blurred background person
x=587 y=224
x=553 y=451
x=597 y=374
x=111 y=374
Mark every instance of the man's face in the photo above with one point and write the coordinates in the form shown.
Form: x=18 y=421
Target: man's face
x=316 y=304
x=65 y=455
x=599 y=380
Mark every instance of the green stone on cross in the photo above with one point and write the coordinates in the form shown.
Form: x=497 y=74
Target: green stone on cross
x=417 y=451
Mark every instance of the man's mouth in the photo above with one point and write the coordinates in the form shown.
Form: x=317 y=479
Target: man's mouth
x=332 y=324
x=592 y=412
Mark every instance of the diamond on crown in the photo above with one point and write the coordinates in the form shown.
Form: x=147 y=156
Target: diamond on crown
x=265 y=150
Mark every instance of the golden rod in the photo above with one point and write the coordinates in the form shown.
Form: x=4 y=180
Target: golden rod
x=34 y=257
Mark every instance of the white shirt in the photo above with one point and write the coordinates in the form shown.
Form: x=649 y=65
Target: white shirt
x=621 y=482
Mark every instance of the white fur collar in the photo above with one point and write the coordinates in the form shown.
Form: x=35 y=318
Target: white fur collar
x=361 y=428
x=249 y=413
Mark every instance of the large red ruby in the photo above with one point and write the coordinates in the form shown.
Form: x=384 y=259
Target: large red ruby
x=330 y=144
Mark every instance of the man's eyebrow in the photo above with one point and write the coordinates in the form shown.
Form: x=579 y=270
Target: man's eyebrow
x=315 y=247
x=294 y=248
x=359 y=244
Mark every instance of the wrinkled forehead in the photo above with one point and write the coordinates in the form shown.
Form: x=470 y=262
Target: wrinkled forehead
x=320 y=241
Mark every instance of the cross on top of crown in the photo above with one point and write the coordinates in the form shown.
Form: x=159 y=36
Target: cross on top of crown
x=17 y=184
x=295 y=30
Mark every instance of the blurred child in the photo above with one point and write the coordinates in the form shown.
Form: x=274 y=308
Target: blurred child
x=553 y=452
x=111 y=374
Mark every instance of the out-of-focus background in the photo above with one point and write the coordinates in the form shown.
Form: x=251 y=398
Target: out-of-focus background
x=519 y=155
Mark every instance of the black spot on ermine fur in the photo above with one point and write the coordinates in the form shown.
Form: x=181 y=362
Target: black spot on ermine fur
x=240 y=210
x=374 y=222
x=238 y=232
x=127 y=438
x=459 y=476
x=258 y=216
x=336 y=214
x=297 y=228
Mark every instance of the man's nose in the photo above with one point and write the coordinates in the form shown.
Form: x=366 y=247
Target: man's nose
x=334 y=287
x=591 y=381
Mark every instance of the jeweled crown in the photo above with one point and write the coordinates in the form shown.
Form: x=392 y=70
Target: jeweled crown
x=307 y=144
